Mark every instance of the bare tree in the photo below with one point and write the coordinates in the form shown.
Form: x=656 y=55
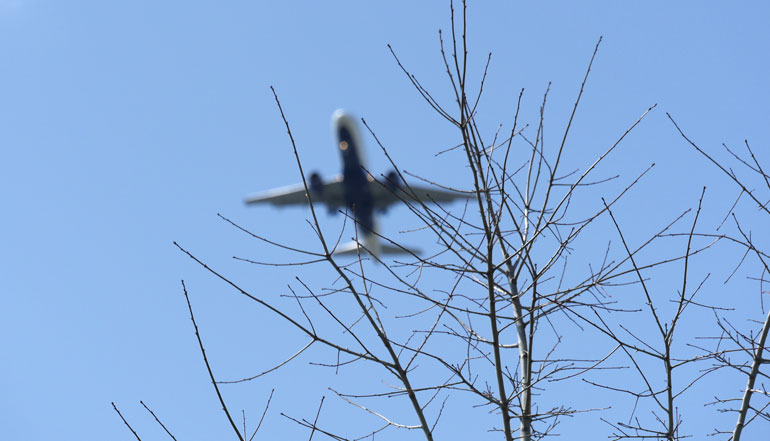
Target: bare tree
x=738 y=349
x=520 y=270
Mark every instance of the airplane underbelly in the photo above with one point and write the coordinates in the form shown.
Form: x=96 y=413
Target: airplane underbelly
x=360 y=202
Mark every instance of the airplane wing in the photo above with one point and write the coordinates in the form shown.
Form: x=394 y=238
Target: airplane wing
x=330 y=193
x=384 y=195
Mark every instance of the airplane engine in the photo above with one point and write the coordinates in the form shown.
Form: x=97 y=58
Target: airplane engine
x=316 y=185
x=393 y=181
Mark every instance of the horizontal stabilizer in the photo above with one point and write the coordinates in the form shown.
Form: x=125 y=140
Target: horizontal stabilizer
x=349 y=248
x=353 y=248
x=387 y=248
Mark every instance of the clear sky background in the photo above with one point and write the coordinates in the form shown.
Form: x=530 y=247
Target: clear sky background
x=126 y=125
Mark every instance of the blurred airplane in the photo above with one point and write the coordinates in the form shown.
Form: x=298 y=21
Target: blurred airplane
x=355 y=189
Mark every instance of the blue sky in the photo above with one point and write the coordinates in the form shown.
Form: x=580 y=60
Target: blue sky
x=125 y=126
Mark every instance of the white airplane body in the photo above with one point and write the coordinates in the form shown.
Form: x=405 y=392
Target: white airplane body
x=355 y=189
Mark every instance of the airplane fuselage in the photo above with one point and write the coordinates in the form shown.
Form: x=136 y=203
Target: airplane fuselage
x=358 y=195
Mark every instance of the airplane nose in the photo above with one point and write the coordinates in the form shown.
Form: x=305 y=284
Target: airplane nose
x=340 y=117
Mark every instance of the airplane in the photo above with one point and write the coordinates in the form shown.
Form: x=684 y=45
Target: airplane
x=355 y=189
